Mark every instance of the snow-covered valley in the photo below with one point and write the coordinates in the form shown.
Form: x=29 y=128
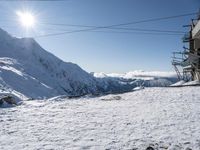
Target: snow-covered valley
x=162 y=118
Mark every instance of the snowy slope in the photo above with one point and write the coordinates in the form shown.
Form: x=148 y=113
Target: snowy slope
x=29 y=69
x=163 y=118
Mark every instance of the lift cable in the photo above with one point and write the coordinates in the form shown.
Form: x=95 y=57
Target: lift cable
x=116 y=25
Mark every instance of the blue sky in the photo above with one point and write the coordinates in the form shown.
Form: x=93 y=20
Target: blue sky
x=105 y=51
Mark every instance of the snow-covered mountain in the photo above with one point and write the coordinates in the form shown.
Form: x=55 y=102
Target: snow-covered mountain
x=27 y=68
x=29 y=71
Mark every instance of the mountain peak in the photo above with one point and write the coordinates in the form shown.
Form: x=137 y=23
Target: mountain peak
x=4 y=35
x=40 y=71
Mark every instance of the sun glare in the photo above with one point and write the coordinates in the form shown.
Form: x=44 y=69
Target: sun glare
x=26 y=19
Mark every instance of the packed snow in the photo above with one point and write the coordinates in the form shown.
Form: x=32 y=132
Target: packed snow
x=195 y=82
x=179 y=83
x=184 y=83
x=162 y=118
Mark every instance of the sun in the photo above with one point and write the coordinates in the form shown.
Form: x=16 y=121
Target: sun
x=26 y=19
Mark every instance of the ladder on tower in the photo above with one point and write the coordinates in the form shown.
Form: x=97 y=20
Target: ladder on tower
x=177 y=72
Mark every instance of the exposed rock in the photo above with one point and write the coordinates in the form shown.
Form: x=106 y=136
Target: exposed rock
x=150 y=148
x=111 y=98
x=1 y=102
x=8 y=99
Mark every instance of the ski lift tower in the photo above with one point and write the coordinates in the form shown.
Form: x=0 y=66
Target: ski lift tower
x=188 y=60
x=195 y=45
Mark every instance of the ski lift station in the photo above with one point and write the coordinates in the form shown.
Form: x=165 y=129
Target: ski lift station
x=187 y=62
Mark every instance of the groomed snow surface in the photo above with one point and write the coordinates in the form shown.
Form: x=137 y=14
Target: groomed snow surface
x=163 y=118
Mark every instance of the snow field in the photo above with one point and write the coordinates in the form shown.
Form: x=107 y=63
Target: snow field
x=164 y=118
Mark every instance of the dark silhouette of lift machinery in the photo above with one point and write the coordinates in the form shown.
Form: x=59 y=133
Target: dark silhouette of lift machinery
x=187 y=62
